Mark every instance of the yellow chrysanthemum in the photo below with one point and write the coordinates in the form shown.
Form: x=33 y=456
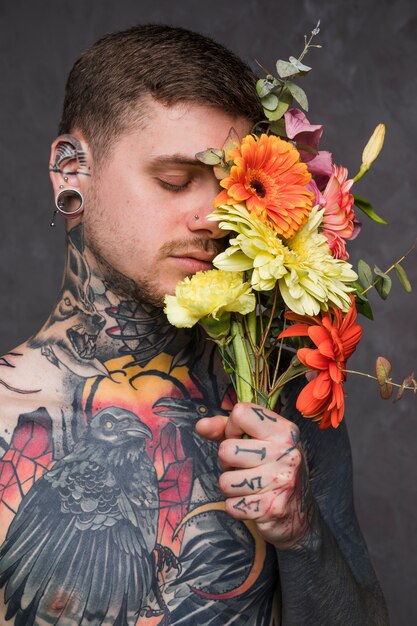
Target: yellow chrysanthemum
x=210 y=293
x=309 y=277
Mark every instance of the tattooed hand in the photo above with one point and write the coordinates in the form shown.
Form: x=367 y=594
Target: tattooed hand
x=265 y=478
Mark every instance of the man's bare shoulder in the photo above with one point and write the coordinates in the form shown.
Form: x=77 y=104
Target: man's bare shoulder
x=30 y=387
x=27 y=381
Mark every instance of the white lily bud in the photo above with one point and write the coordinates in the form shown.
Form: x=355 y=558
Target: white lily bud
x=374 y=146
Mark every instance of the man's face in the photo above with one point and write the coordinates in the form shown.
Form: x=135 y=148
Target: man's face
x=141 y=205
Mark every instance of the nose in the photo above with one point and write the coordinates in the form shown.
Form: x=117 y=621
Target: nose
x=197 y=218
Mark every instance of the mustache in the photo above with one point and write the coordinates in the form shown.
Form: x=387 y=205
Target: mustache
x=182 y=246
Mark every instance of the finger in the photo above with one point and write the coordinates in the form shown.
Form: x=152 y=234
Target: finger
x=260 y=423
x=273 y=506
x=262 y=478
x=212 y=427
x=248 y=481
x=244 y=453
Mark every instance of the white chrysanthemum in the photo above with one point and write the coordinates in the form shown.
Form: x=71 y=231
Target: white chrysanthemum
x=256 y=247
x=309 y=277
x=316 y=279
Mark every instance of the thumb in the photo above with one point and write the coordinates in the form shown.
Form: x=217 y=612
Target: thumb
x=212 y=427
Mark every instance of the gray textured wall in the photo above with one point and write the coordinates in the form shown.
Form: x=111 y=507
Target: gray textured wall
x=364 y=74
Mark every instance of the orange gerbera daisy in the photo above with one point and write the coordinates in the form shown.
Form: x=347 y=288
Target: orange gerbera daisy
x=268 y=175
x=336 y=337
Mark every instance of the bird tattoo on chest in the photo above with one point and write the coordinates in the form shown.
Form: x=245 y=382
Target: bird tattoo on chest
x=82 y=542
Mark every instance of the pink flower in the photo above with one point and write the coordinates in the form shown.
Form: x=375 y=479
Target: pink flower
x=299 y=130
x=339 y=222
x=321 y=168
x=318 y=196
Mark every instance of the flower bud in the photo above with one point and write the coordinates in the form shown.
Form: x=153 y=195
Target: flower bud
x=374 y=146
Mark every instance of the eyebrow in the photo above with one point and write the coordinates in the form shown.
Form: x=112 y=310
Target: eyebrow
x=176 y=159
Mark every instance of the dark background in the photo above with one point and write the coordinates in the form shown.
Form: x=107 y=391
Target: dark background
x=364 y=74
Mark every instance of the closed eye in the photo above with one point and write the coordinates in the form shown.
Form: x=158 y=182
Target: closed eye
x=171 y=187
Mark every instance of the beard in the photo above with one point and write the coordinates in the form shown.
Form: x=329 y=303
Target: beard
x=122 y=286
x=145 y=289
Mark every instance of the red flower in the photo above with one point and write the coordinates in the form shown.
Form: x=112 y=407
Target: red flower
x=335 y=337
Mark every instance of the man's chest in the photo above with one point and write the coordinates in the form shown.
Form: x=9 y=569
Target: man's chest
x=128 y=523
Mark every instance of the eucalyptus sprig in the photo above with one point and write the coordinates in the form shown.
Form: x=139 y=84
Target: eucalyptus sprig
x=369 y=278
x=277 y=93
x=383 y=369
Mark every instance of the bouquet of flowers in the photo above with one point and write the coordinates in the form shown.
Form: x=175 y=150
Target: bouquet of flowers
x=284 y=284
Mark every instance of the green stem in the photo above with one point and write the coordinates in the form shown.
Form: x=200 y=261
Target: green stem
x=405 y=255
x=362 y=171
x=268 y=327
x=276 y=370
x=244 y=374
x=299 y=370
x=373 y=378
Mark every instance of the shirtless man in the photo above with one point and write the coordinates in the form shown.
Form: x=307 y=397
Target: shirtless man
x=127 y=495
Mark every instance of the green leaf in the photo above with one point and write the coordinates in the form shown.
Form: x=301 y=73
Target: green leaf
x=221 y=171
x=270 y=102
x=264 y=86
x=283 y=105
x=231 y=143
x=210 y=156
x=362 y=305
x=300 y=66
x=383 y=283
x=366 y=207
x=305 y=148
x=365 y=273
x=285 y=69
x=217 y=329
x=383 y=286
x=364 y=308
x=278 y=128
x=299 y=95
x=379 y=272
x=403 y=278
x=408 y=383
x=262 y=398
x=383 y=370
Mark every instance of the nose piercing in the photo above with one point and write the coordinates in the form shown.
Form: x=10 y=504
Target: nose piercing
x=196 y=217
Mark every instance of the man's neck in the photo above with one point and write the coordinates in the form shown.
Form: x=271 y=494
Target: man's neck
x=100 y=316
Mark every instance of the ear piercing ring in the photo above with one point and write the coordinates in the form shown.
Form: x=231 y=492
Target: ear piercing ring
x=62 y=199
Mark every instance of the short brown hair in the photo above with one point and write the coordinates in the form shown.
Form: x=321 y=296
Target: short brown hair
x=170 y=63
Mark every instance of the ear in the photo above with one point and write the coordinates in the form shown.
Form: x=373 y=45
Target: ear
x=70 y=163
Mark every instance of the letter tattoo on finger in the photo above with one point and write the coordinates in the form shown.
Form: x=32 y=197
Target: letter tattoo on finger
x=244 y=506
x=263 y=415
x=295 y=440
x=261 y=451
x=253 y=483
